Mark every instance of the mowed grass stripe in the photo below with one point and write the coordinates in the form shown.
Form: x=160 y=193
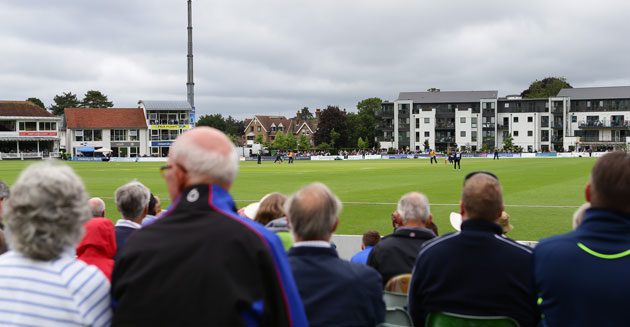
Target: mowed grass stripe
x=540 y=194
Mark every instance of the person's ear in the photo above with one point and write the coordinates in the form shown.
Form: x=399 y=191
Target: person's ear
x=462 y=211
x=430 y=220
x=334 y=227
x=587 y=192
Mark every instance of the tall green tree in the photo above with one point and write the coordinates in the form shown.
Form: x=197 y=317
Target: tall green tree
x=508 y=144
x=291 y=141
x=548 y=87
x=355 y=129
x=362 y=144
x=95 y=99
x=305 y=114
x=367 y=119
x=213 y=120
x=280 y=141
x=329 y=119
x=63 y=101
x=258 y=139
x=37 y=102
x=304 y=143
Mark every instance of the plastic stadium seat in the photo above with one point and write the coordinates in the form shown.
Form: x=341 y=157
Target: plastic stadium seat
x=398 y=284
x=446 y=319
x=394 y=300
x=396 y=317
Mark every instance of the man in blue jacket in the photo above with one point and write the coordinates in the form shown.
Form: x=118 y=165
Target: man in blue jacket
x=335 y=292
x=582 y=276
x=476 y=271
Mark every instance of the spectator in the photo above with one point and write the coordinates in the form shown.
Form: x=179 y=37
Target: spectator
x=335 y=292
x=582 y=276
x=271 y=214
x=270 y=208
x=475 y=271
x=98 y=246
x=369 y=240
x=97 y=207
x=132 y=201
x=578 y=215
x=202 y=264
x=396 y=253
x=154 y=211
x=504 y=222
x=46 y=285
x=4 y=195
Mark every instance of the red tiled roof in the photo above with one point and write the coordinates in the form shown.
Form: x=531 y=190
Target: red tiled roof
x=79 y=118
x=22 y=109
x=267 y=121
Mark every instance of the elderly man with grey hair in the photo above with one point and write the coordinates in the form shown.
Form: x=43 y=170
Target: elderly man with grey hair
x=132 y=201
x=97 y=207
x=42 y=281
x=335 y=292
x=395 y=253
x=202 y=264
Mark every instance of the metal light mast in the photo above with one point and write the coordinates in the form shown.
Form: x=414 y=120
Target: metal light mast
x=190 y=85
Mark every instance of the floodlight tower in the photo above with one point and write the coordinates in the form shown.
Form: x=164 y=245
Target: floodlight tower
x=190 y=85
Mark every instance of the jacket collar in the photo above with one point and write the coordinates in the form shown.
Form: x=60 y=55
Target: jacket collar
x=415 y=232
x=313 y=251
x=480 y=225
x=605 y=220
x=204 y=195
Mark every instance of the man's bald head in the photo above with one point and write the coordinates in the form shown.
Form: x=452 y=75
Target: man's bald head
x=482 y=198
x=207 y=155
x=313 y=212
x=97 y=207
x=610 y=182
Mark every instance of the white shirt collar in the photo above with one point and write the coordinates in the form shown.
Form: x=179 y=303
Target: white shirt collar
x=128 y=223
x=317 y=244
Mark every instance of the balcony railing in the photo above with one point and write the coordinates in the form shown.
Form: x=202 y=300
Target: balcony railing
x=501 y=126
x=445 y=140
x=605 y=124
x=557 y=125
x=441 y=125
x=614 y=139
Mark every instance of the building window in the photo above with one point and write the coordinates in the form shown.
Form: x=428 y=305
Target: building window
x=473 y=136
x=530 y=119
x=462 y=133
x=155 y=135
x=28 y=126
x=507 y=105
x=7 y=125
x=462 y=120
x=530 y=133
x=427 y=120
x=118 y=135
x=78 y=135
x=427 y=134
x=473 y=122
x=47 y=126
x=588 y=104
x=258 y=128
x=515 y=119
x=515 y=133
x=601 y=104
x=134 y=135
x=417 y=122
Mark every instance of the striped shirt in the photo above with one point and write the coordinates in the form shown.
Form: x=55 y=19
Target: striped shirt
x=62 y=292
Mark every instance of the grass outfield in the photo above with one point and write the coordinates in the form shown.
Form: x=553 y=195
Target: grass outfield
x=540 y=194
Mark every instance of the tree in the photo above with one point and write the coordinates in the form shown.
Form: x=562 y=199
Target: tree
x=354 y=129
x=362 y=144
x=95 y=99
x=37 y=102
x=304 y=143
x=305 y=114
x=334 y=137
x=290 y=141
x=259 y=139
x=63 y=101
x=367 y=110
x=507 y=143
x=280 y=141
x=213 y=120
x=548 y=87
x=329 y=119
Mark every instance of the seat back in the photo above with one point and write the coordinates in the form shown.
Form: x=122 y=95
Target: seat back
x=394 y=300
x=396 y=317
x=398 y=284
x=447 y=319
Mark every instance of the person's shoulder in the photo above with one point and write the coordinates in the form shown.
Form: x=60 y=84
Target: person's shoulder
x=438 y=243
x=556 y=242
x=363 y=273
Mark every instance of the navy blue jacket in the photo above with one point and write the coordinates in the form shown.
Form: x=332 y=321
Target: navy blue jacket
x=122 y=234
x=475 y=272
x=203 y=265
x=396 y=253
x=582 y=276
x=336 y=292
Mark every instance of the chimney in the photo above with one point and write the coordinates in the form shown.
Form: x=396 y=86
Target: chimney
x=317 y=113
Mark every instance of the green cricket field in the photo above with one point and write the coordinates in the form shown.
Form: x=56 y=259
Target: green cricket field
x=540 y=194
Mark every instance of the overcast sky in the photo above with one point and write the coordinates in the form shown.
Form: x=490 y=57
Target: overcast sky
x=275 y=57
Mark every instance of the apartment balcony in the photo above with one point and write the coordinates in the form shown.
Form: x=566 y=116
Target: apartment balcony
x=603 y=140
x=445 y=140
x=488 y=125
x=557 y=125
x=594 y=125
x=501 y=126
x=557 y=111
x=440 y=125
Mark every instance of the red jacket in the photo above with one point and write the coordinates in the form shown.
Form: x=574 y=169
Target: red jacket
x=98 y=246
